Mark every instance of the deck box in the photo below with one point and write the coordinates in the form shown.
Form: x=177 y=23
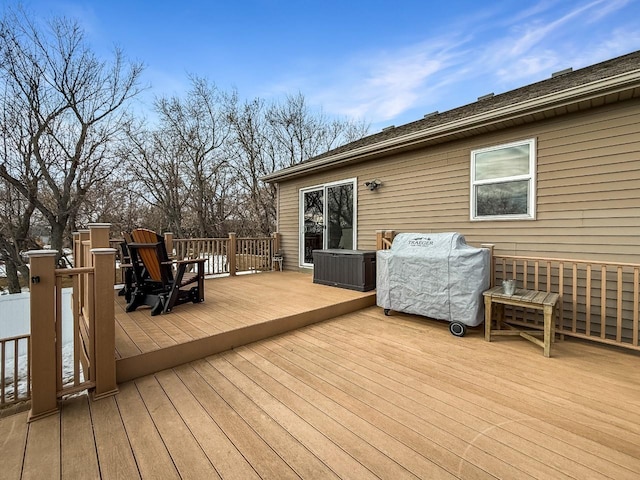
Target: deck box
x=352 y=269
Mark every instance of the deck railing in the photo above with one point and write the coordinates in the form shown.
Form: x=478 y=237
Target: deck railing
x=227 y=255
x=599 y=300
x=15 y=385
x=93 y=363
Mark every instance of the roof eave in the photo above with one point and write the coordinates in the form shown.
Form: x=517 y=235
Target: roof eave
x=439 y=133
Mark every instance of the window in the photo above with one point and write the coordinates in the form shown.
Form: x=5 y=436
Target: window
x=503 y=183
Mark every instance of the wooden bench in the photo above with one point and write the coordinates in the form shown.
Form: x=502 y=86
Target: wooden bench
x=534 y=299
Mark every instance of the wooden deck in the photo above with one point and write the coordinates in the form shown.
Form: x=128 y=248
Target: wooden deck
x=359 y=396
x=237 y=310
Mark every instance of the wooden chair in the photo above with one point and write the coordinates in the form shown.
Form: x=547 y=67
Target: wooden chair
x=155 y=282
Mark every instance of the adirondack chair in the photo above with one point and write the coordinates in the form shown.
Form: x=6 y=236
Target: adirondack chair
x=157 y=281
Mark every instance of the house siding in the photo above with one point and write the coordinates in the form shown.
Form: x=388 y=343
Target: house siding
x=587 y=199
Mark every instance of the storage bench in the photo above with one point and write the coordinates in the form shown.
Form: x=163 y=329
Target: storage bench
x=352 y=269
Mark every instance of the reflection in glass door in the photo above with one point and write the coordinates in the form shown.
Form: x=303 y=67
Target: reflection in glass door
x=313 y=228
x=327 y=219
x=340 y=216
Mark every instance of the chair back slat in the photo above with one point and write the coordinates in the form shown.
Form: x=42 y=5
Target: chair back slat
x=149 y=255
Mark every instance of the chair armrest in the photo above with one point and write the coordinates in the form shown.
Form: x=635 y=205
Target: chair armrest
x=143 y=245
x=190 y=260
x=185 y=262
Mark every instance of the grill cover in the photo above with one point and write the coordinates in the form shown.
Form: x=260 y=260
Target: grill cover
x=436 y=275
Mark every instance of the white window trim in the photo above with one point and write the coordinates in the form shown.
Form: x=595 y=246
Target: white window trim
x=531 y=177
x=324 y=186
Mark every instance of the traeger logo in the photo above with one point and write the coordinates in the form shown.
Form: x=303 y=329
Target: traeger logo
x=421 y=242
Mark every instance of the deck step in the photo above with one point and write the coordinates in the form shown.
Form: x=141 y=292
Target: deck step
x=154 y=361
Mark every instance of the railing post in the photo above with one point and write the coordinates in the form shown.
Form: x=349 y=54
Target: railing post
x=104 y=322
x=76 y=248
x=276 y=242
x=83 y=236
x=42 y=285
x=80 y=261
x=379 y=237
x=492 y=273
x=168 y=242
x=99 y=235
x=231 y=253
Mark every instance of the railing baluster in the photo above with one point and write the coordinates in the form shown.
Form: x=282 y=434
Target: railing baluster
x=619 y=307
x=603 y=301
x=636 y=304
x=16 y=368
x=574 y=321
x=561 y=293
x=76 y=333
x=588 y=299
x=58 y=326
x=28 y=382
x=2 y=368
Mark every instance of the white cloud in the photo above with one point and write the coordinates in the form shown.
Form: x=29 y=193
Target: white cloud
x=383 y=85
x=504 y=50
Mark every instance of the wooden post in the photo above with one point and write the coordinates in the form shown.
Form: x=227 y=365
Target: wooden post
x=168 y=242
x=384 y=238
x=76 y=248
x=104 y=322
x=99 y=235
x=276 y=242
x=82 y=261
x=42 y=285
x=492 y=269
x=231 y=253
x=83 y=235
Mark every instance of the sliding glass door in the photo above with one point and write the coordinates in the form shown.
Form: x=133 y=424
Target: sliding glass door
x=327 y=219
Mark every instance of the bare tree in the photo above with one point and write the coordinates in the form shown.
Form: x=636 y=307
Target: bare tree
x=299 y=133
x=69 y=106
x=180 y=164
x=252 y=152
x=268 y=138
x=158 y=177
x=198 y=126
x=15 y=218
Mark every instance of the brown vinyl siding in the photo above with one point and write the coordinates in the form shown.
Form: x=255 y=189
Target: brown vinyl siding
x=588 y=190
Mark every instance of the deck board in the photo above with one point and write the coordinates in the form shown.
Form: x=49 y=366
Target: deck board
x=359 y=396
x=78 y=447
x=280 y=439
x=228 y=461
x=113 y=448
x=42 y=452
x=262 y=458
x=13 y=435
x=186 y=454
x=148 y=447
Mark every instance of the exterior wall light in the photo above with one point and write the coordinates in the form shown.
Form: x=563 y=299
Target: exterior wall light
x=373 y=184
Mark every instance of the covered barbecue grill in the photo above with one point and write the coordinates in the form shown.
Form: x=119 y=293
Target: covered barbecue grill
x=436 y=275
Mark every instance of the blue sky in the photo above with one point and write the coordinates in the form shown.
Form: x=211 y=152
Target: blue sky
x=387 y=62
